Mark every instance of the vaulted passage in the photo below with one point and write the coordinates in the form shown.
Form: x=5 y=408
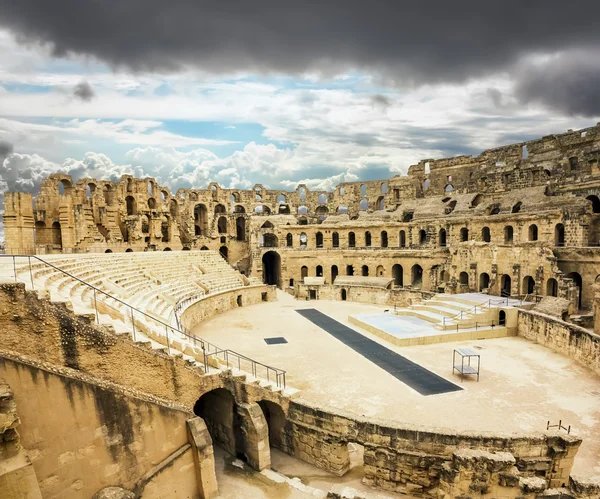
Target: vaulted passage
x=418 y=378
x=271 y=268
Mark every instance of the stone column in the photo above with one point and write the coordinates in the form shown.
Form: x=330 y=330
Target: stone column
x=204 y=458
x=254 y=432
x=18 y=223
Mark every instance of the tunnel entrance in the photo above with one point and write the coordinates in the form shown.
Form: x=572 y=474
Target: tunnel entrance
x=276 y=422
x=219 y=411
x=272 y=268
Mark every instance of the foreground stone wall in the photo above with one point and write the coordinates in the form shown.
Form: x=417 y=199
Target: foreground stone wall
x=82 y=437
x=565 y=338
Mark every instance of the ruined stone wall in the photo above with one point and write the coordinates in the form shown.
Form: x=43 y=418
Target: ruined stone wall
x=413 y=460
x=82 y=437
x=570 y=340
x=222 y=302
x=402 y=297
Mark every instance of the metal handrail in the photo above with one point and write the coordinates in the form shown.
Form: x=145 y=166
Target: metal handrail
x=474 y=308
x=279 y=373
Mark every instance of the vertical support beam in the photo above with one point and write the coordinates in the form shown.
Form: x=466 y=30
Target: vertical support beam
x=254 y=436
x=204 y=457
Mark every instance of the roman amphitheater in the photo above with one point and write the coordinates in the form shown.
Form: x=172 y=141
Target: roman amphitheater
x=429 y=335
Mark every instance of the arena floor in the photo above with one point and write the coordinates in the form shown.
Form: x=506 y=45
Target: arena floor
x=522 y=384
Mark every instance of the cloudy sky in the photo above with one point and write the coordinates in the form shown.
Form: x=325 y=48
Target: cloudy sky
x=279 y=93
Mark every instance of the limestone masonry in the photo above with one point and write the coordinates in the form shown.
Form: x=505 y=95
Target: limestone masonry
x=105 y=392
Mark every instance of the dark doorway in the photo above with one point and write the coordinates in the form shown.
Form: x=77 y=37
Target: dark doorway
x=276 y=422
x=398 y=274
x=502 y=318
x=272 y=268
x=343 y=295
x=505 y=285
x=218 y=410
x=224 y=253
x=334 y=273
x=312 y=294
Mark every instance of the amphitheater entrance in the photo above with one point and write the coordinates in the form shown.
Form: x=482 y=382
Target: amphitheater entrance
x=397 y=274
x=417 y=276
x=344 y=295
x=578 y=281
x=272 y=268
x=276 y=422
x=219 y=411
x=505 y=284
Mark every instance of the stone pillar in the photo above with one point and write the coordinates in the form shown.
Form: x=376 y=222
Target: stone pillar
x=19 y=223
x=204 y=458
x=254 y=433
x=596 y=307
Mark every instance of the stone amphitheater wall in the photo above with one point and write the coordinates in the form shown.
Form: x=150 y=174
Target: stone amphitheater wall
x=575 y=342
x=82 y=437
x=219 y=303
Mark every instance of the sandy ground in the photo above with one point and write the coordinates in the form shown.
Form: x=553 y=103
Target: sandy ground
x=522 y=386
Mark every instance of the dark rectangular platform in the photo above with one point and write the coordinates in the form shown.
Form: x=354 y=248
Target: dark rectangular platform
x=277 y=340
x=417 y=377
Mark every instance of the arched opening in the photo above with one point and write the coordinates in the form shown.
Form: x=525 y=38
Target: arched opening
x=303 y=240
x=417 y=276
x=422 y=237
x=367 y=238
x=267 y=225
x=380 y=204
x=164 y=230
x=64 y=188
x=398 y=274
x=185 y=248
x=484 y=281
x=200 y=220
x=303 y=272
x=464 y=279
x=319 y=239
x=349 y=269
x=204 y=248
x=528 y=285
x=289 y=240
x=344 y=295
x=240 y=228
x=302 y=221
x=272 y=268
x=578 y=281
x=351 y=240
x=130 y=202
x=108 y=251
x=384 y=239
x=363 y=205
x=275 y=418
x=334 y=273
x=218 y=410
x=173 y=208
x=402 y=239
x=239 y=209
x=379 y=271
x=505 y=285
x=270 y=241
x=89 y=190
x=508 y=234
x=222 y=225
x=442 y=237
x=559 y=235
x=152 y=204
x=533 y=232
x=365 y=270
x=234 y=197
x=284 y=209
x=319 y=271
x=517 y=207
x=595 y=203
x=56 y=235
x=502 y=318
x=219 y=209
x=552 y=287
x=167 y=249
x=363 y=190
x=335 y=240
x=464 y=234
x=224 y=253
x=486 y=236
x=128 y=250
x=342 y=210
x=302 y=210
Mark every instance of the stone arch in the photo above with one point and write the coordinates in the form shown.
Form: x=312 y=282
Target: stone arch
x=442 y=237
x=272 y=268
x=464 y=234
x=343 y=295
x=505 y=285
x=402 y=239
x=284 y=209
x=417 y=276
x=319 y=271
x=552 y=287
x=384 y=239
x=379 y=271
x=335 y=240
x=380 y=203
x=56 y=235
x=270 y=241
x=508 y=234
x=173 y=208
x=577 y=279
x=334 y=273
x=533 y=232
x=289 y=240
x=398 y=274
x=303 y=271
x=367 y=238
x=151 y=204
x=224 y=251
x=238 y=208
x=516 y=207
x=319 y=239
x=303 y=240
x=322 y=199
x=276 y=423
x=486 y=235
x=595 y=203
x=351 y=240
x=463 y=278
x=363 y=205
x=218 y=409
x=422 y=237
x=222 y=225
x=200 y=219
x=484 y=281
x=559 y=235
x=240 y=228
x=219 y=208
x=130 y=205
x=365 y=270
x=528 y=285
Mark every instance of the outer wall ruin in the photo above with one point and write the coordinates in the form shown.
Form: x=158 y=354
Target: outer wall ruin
x=523 y=219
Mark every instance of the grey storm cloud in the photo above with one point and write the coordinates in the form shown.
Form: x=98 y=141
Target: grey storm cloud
x=84 y=91
x=6 y=148
x=429 y=41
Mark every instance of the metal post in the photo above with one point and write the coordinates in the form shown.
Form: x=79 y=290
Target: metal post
x=168 y=344
x=205 y=360
x=31 y=274
x=133 y=323
x=96 y=307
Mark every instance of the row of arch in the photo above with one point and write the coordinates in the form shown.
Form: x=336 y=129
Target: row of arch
x=423 y=237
